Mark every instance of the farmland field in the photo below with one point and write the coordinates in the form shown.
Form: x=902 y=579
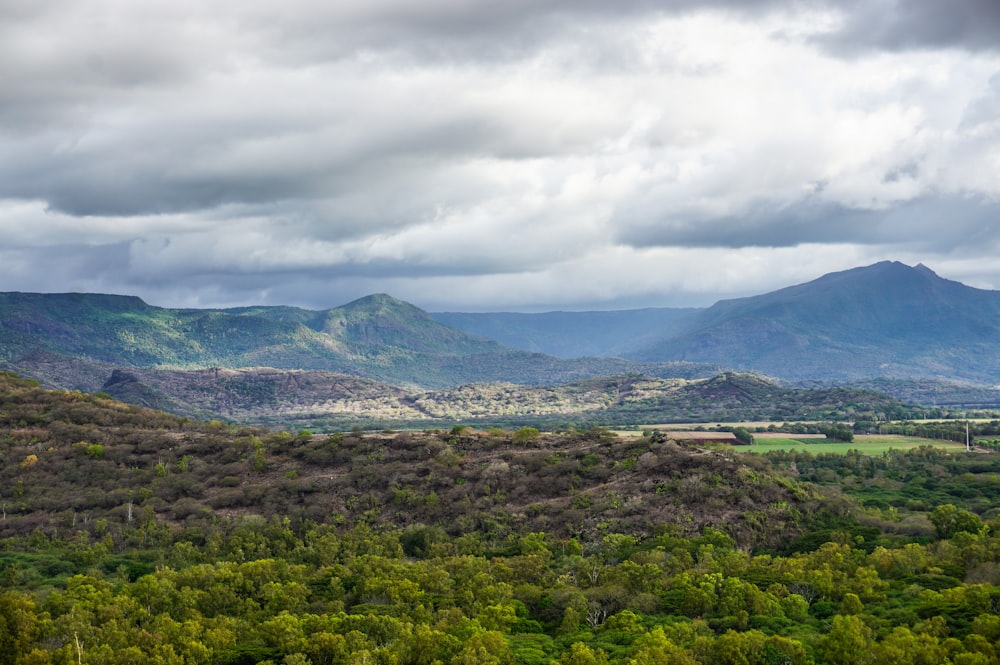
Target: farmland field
x=868 y=444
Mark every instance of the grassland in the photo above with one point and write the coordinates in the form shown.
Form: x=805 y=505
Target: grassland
x=868 y=444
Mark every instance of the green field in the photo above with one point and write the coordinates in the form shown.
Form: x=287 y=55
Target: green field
x=870 y=444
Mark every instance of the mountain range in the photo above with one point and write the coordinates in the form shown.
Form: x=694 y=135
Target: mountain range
x=76 y=340
x=902 y=326
x=882 y=320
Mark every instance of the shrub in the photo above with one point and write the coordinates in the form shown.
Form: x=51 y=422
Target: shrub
x=526 y=434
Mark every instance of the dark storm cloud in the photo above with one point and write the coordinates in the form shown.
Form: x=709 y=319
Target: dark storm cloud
x=946 y=225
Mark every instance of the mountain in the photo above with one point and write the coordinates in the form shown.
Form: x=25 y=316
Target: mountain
x=574 y=334
x=887 y=319
x=76 y=341
x=884 y=320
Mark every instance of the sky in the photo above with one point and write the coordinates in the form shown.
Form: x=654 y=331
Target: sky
x=474 y=155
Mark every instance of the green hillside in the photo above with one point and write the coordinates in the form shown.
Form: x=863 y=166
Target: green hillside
x=123 y=330
x=901 y=330
x=884 y=320
x=76 y=340
x=887 y=319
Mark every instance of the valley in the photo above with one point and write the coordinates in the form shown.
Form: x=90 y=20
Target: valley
x=886 y=340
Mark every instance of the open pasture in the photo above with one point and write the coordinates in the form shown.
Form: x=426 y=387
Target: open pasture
x=868 y=444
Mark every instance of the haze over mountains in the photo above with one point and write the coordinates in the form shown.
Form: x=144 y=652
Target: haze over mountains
x=887 y=322
x=576 y=334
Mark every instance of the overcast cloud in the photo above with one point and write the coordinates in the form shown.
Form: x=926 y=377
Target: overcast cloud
x=473 y=155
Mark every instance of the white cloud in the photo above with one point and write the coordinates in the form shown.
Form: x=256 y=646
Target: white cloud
x=512 y=153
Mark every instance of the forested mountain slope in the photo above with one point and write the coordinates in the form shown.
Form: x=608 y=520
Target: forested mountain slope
x=75 y=340
x=923 y=338
x=887 y=319
x=883 y=320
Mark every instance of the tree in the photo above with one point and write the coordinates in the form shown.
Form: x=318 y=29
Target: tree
x=838 y=432
x=851 y=604
x=580 y=654
x=486 y=648
x=902 y=647
x=654 y=648
x=19 y=628
x=949 y=520
x=850 y=642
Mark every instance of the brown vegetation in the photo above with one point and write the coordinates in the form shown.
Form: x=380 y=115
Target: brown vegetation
x=97 y=461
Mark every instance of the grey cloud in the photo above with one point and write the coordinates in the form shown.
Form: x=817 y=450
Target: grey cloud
x=943 y=225
x=898 y=25
x=67 y=267
x=108 y=269
x=182 y=169
x=340 y=124
x=463 y=29
x=929 y=224
x=109 y=115
x=312 y=288
x=762 y=225
x=117 y=185
x=499 y=31
x=986 y=109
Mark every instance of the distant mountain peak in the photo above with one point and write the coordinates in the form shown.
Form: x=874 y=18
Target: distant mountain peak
x=887 y=318
x=380 y=301
x=380 y=298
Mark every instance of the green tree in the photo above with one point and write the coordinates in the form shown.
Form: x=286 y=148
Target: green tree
x=851 y=604
x=485 y=648
x=849 y=642
x=655 y=648
x=580 y=654
x=949 y=520
x=902 y=647
x=19 y=627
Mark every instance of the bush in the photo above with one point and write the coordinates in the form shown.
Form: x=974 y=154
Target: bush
x=838 y=432
x=526 y=434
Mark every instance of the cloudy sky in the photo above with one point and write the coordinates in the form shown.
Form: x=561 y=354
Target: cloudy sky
x=482 y=155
